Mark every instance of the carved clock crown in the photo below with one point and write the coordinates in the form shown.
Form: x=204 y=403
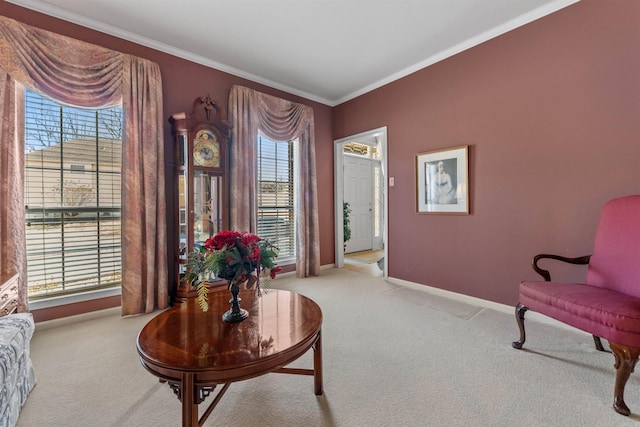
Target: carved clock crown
x=206 y=110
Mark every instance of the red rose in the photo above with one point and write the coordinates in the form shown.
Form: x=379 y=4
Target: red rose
x=249 y=239
x=227 y=238
x=275 y=270
x=255 y=254
x=209 y=244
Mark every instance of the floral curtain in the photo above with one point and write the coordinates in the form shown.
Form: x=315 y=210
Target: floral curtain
x=251 y=113
x=81 y=74
x=12 y=232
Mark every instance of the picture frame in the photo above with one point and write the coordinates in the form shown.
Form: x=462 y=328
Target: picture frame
x=442 y=181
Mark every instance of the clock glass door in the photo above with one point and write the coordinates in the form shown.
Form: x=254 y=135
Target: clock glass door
x=183 y=217
x=207 y=205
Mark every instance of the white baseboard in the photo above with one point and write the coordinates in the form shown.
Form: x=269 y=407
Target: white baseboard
x=531 y=315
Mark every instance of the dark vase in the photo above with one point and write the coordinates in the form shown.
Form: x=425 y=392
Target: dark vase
x=235 y=313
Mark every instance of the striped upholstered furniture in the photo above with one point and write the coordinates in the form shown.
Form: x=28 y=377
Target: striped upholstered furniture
x=17 y=377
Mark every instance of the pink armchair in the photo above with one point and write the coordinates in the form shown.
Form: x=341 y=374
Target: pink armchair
x=607 y=305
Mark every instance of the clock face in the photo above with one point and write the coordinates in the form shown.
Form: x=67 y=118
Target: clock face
x=206 y=149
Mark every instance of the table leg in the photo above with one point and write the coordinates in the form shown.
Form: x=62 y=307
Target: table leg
x=189 y=407
x=317 y=365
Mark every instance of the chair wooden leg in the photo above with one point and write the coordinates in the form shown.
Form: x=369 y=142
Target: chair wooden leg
x=625 y=362
x=599 y=346
x=520 y=311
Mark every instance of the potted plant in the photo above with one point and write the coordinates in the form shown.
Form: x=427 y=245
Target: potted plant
x=346 y=211
x=234 y=256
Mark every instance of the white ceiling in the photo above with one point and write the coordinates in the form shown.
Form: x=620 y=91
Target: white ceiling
x=328 y=51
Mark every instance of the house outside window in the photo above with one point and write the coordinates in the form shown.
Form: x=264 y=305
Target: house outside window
x=276 y=214
x=72 y=197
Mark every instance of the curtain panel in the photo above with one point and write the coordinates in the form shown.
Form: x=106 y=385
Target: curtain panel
x=12 y=232
x=80 y=74
x=254 y=113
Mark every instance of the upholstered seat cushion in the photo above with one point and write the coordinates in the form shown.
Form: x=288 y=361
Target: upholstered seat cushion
x=17 y=377
x=599 y=311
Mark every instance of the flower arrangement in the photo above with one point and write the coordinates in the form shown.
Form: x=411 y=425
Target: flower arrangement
x=234 y=256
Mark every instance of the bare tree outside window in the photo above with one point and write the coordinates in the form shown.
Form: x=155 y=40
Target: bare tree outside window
x=49 y=126
x=74 y=194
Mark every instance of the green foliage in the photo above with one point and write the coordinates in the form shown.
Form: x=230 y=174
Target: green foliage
x=268 y=254
x=203 y=296
x=346 y=211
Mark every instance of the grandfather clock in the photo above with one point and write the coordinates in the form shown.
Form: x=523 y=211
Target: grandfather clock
x=202 y=207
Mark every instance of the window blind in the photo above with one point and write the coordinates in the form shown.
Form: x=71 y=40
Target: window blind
x=275 y=195
x=72 y=197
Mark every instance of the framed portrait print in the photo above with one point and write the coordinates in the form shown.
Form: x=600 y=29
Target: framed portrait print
x=442 y=181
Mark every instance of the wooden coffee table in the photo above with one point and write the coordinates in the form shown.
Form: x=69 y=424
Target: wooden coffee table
x=194 y=351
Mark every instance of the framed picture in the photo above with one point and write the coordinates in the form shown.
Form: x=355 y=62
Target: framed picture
x=442 y=181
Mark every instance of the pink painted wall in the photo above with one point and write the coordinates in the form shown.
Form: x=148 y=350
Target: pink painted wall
x=551 y=112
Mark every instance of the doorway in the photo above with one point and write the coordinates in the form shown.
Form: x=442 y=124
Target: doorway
x=360 y=180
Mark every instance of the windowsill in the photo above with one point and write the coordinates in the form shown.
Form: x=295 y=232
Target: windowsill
x=285 y=263
x=282 y=261
x=74 y=298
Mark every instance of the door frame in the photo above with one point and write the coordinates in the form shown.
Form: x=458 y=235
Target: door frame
x=378 y=135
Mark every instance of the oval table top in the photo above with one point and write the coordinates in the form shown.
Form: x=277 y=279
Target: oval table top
x=281 y=326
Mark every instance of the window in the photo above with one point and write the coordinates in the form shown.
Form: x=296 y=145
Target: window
x=72 y=197
x=275 y=195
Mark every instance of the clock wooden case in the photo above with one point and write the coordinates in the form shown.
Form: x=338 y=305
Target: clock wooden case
x=202 y=138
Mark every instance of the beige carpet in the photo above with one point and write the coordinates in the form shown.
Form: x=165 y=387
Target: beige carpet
x=393 y=356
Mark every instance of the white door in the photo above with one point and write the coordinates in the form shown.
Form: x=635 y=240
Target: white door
x=358 y=192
